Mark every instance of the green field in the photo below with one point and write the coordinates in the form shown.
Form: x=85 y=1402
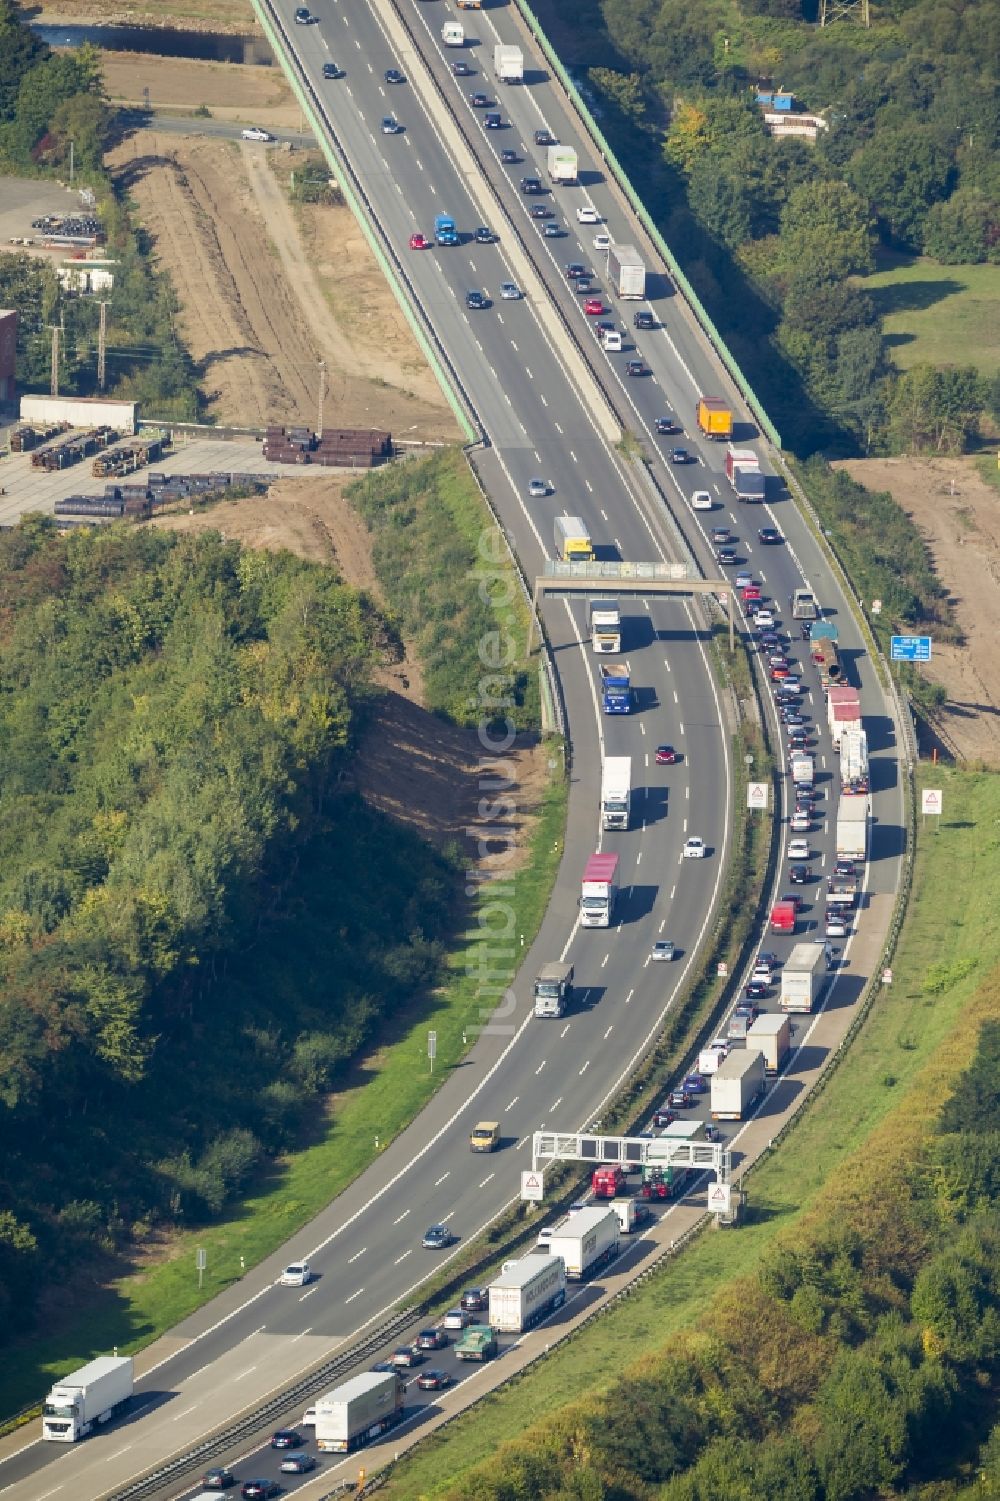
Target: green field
x=938 y=315
x=950 y=944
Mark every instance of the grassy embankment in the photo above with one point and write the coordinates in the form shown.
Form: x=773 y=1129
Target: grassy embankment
x=938 y=315
x=928 y=1019
x=433 y=505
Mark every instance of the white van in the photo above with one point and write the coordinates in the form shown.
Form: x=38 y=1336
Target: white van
x=602 y=242
x=701 y=500
x=453 y=34
x=611 y=340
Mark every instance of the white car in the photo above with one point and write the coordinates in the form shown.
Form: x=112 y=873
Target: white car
x=254 y=133
x=457 y=1319
x=587 y=215
x=798 y=849
x=764 y=617
x=663 y=948
x=701 y=500
x=836 y=927
x=602 y=242
x=308 y=1419
x=761 y=974
x=801 y=823
x=296 y=1274
x=538 y=488
x=694 y=849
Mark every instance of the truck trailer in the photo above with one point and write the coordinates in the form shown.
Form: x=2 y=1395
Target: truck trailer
x=572 y=540
x=600 y=891
x=843 y=710
x=553 y=990
x=804 y=606
x=361 y=1409
x=562 y=164
x=527 y=1291
x=743 y=472
x=803 y=770
x=616 y=691
x=772 y=1034
x=585 y=1240
x=477 y=1343
x=453 y=34
x=605 y=625
x=854 y=780
x=94 y=1394
x=802 y=977
x=627 y=272
x=852 y=829
x=616 y=792
x=823 y=649
x=736 y=1084
x=508 y=63
x=715 y=418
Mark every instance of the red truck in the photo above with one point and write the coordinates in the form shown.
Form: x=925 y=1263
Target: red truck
x=608 y=1182
x=783 y=917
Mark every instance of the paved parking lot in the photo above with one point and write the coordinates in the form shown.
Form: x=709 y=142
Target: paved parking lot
x=28 y=489
x=23 y=199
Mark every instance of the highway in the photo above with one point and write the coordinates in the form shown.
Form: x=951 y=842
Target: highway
x=543 y=415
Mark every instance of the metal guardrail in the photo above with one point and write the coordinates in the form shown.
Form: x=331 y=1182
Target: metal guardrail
x=318 y=1380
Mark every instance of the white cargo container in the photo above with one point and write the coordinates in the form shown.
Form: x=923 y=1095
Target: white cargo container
x=627 y=272
x=802 y=977
x=508 y=63
x=628 y=1214
x=94 y=1394
x=586 y=1240
x=852 y=828
x=773 y=1035
x=803 y=771
x=854 y=761
x=616 y=792
x=736 y=1083
x=527 y=1290
x=453 y=34
x=361 y=1409
x=562 y=164
x=710 y=1058
x=81 y=411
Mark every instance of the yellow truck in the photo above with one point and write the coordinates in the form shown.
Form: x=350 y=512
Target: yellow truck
x=572 y=540
x=485 y=1136
x=715 y=418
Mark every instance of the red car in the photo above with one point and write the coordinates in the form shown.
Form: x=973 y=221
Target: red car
x=665 y=755
x=593 y=307
x=751 y=593
x=419 y=242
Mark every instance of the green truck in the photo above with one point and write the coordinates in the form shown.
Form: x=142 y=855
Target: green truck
x=477 y=1343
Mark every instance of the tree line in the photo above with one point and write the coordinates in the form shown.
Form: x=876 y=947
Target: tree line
x=774 y=233
x=198 y=929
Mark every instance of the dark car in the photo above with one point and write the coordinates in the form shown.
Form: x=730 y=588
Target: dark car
x=330 y=70
x=383 y=1365
x=431 y=1339
x=531 y=185
x=297 y=1464
x=493 y=120
x=393 y=75
x=792 y=717
x=666 y=425
x=253 y=1489
x=680 y=1099
x=635 y=367
x=553 y=231
x=509 y=157
x=575 y=270
x=845 y=870
x=437 y=1237
x=679 y=456
x=475 y=1299
x=303 y=16
x=434 y=1381
x=663 y=1117
x=756 y=991
x=540 y=211
x=462 y=70
x=286 y=1438
x=475 y=300
x=544 y=138
x=479 y=100
x=218 y=1479
x=695 y=1084
x=725 y=557
x=798 y=874
x=749 y=1009
x=720 y=535
x=794 y=898
x=483 y=236
x=643 y=319
x=768 y=960
x=769 y=535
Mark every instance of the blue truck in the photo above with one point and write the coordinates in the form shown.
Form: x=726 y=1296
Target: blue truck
x=616 y=688
x=444 y=230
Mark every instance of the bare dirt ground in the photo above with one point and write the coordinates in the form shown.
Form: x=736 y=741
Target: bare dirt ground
x=191 y=15
x=412 y=765
x=253 y=313
x=959 y=515
x=232 y=91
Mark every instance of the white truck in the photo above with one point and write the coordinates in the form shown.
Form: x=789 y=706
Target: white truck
x=736 y=1083
x=526 y=1291
x=843 y=711
x=802 y=977
x=616 y=792
x=562 y=164
x=605 y=625
x=854 y=761
x=772 y=1033
x=361 y=1409
x=852 y=828
x=627 y=272
x=599 y=891
x=803 y=771
x=628 y=1214
x=508 y=63
x=709 y=1059
x=453 y=34
x=96 y=1393
x=553 y=990
x=586 y=1240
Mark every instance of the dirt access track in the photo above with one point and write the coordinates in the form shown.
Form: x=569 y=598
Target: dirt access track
x=958 y=514
x=265 y=295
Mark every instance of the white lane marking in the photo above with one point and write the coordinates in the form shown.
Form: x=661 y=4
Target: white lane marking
x=353 y=1296
x=403 y=1257
x=540 y=1067
x=308 y=1294
x=565 y=1030
x=585 y=1068
x=608 y=1032
x=556 y=1105
x=356 y=1255
x=401 y=1217
x=487 y=1180
x=513 y=1102
x=440 y=1180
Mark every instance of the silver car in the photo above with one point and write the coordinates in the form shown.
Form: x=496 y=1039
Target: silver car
x=663 y=949
x=509 y=291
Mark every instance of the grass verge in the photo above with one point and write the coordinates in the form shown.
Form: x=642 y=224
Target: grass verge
x=949 y=946
x=931 y=312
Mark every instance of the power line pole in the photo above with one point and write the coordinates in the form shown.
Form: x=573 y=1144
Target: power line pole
x=322 y=393
x=54 y=384
x=102 y=333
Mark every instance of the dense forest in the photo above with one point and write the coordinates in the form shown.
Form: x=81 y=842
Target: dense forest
x=48 y=102
x=774 y=233
x=198 y=927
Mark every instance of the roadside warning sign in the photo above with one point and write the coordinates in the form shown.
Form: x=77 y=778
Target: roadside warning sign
x=756 y=794
x=533 y=1186
x=930 y=800
x=719 y=1196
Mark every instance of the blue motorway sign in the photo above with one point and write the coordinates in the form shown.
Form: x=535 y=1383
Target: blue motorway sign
x=910 y=648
